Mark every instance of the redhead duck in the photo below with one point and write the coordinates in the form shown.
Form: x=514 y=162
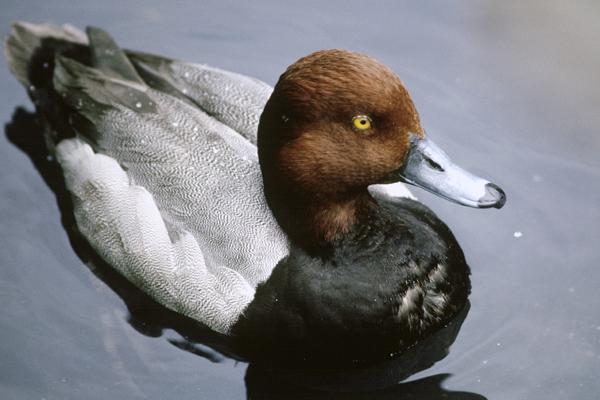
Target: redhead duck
x=283 y=245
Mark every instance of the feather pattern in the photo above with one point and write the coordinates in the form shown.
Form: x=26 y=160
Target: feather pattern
x=163 y=189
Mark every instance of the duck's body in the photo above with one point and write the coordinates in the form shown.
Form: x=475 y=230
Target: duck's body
x=161 y=161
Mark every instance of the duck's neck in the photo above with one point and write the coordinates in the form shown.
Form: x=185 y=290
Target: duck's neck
x=316 y=223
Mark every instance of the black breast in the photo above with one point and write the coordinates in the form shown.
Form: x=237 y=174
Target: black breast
x=395 y=279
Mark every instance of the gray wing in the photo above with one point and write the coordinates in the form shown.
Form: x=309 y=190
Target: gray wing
x=235 y=100
x=164 y=188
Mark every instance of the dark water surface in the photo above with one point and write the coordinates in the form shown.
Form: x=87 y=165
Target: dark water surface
x=509 y=90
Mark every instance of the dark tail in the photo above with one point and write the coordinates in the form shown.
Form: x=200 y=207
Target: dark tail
x=30 y=50
x=55 y=63
x=72 y=77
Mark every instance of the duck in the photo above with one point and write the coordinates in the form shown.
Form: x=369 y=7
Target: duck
x=276 y=216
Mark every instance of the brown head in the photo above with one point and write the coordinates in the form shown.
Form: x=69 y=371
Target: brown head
x=308 y=128
x=336 y=123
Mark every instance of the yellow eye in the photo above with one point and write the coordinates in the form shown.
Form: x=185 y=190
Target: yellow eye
x=361 y=122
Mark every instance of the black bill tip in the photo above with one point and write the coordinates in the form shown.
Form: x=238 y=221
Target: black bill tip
x=494 y=197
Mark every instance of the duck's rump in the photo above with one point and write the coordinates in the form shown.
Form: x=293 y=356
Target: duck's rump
x=160 y=159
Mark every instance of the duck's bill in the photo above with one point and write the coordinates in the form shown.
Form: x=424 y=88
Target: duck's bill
x=428 y=167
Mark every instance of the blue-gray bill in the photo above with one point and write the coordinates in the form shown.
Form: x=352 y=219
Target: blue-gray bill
x=428 y=167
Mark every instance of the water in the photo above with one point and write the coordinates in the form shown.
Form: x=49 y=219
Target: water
x=509 y=89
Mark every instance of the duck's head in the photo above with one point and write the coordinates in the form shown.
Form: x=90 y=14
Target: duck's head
x=339 y=121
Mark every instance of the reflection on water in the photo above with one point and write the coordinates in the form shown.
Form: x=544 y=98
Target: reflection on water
x=430 y=388
x=151 y=319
